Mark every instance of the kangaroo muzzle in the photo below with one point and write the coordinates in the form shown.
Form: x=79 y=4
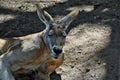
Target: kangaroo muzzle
x=56 y=52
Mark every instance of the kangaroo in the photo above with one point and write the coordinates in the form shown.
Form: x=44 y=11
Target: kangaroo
x=42 y=51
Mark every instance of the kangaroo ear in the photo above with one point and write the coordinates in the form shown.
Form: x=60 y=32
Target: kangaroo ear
x=44 y=16
x=65 y=21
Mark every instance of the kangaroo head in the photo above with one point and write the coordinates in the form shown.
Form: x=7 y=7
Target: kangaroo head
x=55 y=33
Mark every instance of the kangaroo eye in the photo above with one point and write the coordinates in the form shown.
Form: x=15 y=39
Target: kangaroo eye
x=64 y=34
x=51 y=32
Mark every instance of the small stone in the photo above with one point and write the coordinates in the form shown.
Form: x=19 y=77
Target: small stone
x=92 y=75
x=87 y=70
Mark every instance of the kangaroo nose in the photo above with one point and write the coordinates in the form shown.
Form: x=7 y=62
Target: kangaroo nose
x=57 y=50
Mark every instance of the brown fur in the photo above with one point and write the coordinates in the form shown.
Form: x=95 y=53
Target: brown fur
x=21 y=55
x=42 y=58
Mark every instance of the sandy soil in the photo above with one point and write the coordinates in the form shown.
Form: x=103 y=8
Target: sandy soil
x=92 y=46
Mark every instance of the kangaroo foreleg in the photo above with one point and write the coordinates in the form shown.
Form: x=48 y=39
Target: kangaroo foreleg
x=5 y=73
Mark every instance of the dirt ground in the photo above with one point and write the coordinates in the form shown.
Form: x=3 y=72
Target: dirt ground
x=92 y=50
